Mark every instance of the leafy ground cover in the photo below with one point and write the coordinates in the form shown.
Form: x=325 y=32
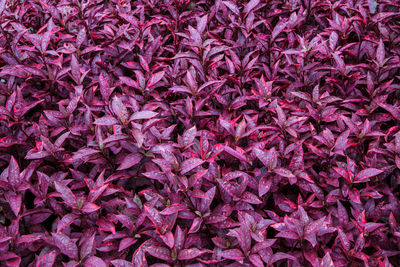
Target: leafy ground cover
x=199 y=133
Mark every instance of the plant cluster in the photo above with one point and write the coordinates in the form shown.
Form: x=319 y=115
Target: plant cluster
x=199 y=133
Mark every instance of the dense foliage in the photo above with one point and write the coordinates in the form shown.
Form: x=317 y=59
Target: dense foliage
x=199 y=133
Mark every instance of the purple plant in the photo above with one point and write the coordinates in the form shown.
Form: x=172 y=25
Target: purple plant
x=199 y=133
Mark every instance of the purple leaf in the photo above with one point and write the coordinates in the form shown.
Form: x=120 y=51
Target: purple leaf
x=314 y=226
x=264 y=185
x=288 y=234
x=154 y=216
x=94 y=261
x=89 y=207
x=105 y=88
x=14 y=176
x=250 y=6
x=191 y=253
x=232 y=7
x=66 y=194
x=15 y=201
x=232 y=254
x=159 y=252
x=66 y=245
x=47 y=260
x=284 y=173
x=190 y=164
x=121 y=263
x=380 y=53
x=143 y=115
x=281 y=256
x=88 y=247
x=107 y=120
x=75 y=69
x=174 y=208
x=280 y=26
x=364 y=175
x=344 y=240
x=129 y=161
x=2 y=5
x=327 y=261
x=188 y=136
